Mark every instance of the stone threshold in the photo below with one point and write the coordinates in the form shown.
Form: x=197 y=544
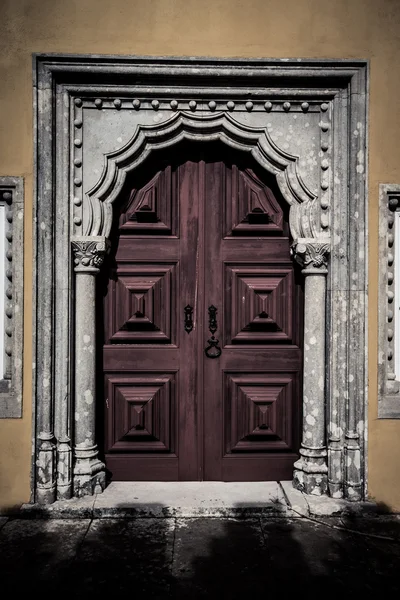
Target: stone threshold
x=197 y=499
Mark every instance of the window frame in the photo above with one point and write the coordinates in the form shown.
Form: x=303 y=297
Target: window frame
x=12 y=300
x=389 y=302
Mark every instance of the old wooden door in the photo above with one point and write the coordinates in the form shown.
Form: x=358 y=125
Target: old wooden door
x=202 y=313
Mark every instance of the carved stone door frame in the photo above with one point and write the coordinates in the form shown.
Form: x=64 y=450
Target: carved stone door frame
x=97 y=119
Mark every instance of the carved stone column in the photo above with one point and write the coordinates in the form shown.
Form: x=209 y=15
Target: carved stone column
x=89 y=471
x=311 y=471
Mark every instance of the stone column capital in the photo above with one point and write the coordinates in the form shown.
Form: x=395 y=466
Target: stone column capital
x=89 y=253
x=312 y=255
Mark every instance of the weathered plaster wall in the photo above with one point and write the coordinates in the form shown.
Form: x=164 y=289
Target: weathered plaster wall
x=256 y=28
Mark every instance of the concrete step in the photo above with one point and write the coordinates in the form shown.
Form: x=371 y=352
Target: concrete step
x=196 y=499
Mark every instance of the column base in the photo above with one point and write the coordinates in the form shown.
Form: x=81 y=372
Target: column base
x=89 y=472
x=46 y=469
x=45 y=495
x=335 y=473
x=353 y=492
x=88 y=485
x=335 y=489
x=353 y=483
x=310 y=475
x=64 y=470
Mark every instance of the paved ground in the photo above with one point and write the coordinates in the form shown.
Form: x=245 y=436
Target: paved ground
x=199 y=557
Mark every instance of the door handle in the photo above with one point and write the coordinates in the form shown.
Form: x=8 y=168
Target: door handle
x=188 y=318
x=212 y=350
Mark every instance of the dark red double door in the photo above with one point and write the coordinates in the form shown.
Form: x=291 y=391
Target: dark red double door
x=198 y=234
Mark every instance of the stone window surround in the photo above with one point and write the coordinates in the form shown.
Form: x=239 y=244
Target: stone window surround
x=389 y=302
x=333 y=453
x=12 y=193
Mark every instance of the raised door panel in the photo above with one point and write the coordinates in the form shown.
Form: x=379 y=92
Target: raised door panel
x=141 y=412
x=258 y=303
x=142 y=304
x=152 y=209
x=251 y=208
x=258 y=411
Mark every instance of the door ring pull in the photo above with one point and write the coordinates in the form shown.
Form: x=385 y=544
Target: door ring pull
x=213 y=350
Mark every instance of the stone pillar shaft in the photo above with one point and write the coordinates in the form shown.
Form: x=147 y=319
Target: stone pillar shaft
x=311 y=470
x=89 y=471
x=85 y=358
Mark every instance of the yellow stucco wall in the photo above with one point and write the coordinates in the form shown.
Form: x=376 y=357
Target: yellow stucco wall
x=252 y=28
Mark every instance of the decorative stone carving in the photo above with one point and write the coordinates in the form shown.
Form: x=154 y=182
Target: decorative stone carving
x=311 y=255
x=238 y=104
x=89 y=253
x=389 y=330
x=315 y=215
x=223 y=127
x=12 y=201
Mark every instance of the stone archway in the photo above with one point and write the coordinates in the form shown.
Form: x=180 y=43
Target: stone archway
x=297 y=133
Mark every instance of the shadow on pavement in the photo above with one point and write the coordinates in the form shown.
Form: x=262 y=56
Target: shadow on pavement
x=197 y=557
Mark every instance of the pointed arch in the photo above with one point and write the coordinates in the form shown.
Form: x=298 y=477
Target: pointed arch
x=184 y=126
